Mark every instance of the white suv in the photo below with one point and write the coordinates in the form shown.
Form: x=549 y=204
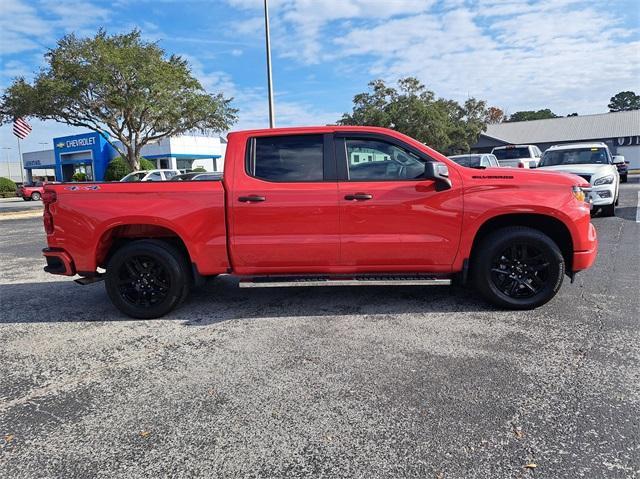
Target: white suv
x=594 y=163
x=150 y=175
x=518 y=156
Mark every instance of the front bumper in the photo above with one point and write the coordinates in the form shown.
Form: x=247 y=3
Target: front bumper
x=584 y=259
x=58 y=262
x=602 y=195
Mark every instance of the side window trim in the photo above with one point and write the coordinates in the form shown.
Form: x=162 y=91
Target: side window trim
x=328 y=158
x=341 y=153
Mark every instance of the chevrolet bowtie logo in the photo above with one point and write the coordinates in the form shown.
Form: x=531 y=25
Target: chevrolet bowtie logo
x=60 y=145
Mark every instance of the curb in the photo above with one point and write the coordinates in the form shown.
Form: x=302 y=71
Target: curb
x=18 y=215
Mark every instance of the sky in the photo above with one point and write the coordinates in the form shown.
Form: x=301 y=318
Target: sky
x=566 y=55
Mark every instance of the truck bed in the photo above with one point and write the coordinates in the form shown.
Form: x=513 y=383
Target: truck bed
x=89 y=217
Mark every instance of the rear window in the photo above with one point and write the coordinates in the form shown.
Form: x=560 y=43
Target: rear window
x=511 y=153
x=287 y=158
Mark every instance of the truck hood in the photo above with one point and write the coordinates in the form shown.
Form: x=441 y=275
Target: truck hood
x=592 y=169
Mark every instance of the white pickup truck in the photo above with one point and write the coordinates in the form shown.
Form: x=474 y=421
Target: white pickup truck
x=518 y=156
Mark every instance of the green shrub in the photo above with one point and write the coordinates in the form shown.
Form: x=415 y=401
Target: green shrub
x=79 y=176
x=199 y=169
x=119 y=168
x=147 y=164
x=7 y=186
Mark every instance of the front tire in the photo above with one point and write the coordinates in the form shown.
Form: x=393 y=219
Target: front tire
x=518 y=268
x=609 y=210
x=35 y=196
x=147 y=279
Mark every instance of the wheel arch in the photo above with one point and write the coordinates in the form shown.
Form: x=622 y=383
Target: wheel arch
x=553 y=227
x=116 y=236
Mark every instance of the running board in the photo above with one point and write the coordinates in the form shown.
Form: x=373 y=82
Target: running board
x=365 y=280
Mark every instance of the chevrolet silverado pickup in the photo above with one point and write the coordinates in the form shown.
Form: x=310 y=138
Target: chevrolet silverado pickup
x=327 y=206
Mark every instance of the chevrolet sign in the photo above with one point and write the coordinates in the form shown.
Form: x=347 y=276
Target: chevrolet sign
x=76 y=142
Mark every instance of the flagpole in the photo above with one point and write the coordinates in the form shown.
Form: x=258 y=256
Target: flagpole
x=20 y=160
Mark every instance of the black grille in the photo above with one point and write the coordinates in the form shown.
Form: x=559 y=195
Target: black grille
x=586 y=177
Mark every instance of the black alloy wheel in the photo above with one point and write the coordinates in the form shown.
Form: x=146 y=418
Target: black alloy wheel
x=143 y=281
x=147 y=278
x=520 y=271
x=517 y=268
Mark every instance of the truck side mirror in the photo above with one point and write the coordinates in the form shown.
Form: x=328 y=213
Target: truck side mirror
x=434 y=170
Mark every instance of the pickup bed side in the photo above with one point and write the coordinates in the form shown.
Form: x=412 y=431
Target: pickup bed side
x=88 y=219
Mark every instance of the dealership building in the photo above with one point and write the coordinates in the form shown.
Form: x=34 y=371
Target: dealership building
x=619 y=130
x=90 y=153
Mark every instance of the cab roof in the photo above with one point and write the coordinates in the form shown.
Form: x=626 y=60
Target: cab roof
x=572 y=146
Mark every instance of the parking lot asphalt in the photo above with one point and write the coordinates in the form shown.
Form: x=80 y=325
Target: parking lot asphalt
x=18 y=204
x=322 y=382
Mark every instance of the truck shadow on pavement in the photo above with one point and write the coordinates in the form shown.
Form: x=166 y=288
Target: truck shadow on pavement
x=220 y=300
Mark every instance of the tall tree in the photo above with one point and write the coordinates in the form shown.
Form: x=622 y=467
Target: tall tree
x=495 y=115
x=120 y=86
x=625 y=100
x=412 y=109
x=528 y=115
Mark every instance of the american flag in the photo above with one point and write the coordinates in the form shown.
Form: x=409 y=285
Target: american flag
x=21 y=128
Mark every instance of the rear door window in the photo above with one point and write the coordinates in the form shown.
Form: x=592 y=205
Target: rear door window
x=512 y=153
x=294 y=158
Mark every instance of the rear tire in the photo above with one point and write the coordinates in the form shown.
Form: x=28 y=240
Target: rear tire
x=517 y=268
x=609 y=210
x=35 y=196
x=147 y=279
x=623 y=178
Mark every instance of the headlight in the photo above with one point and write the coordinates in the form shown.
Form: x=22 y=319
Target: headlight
x=579 y=193
x=605 y=180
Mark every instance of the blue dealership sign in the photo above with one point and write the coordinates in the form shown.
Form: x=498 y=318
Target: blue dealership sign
x=89 y=150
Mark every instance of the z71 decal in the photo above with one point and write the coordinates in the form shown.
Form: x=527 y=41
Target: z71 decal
x=82 y=188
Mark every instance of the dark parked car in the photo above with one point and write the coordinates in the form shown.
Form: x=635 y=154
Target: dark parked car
x=623 y=168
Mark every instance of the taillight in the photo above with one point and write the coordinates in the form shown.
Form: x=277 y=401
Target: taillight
x=47 y=219
x=48 y=197
x=520 y=164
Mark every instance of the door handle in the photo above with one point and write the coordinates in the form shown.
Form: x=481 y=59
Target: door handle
x=359 y=197
x=252 y=199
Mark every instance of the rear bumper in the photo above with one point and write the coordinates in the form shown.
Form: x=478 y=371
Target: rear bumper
x=58 y=262
x=584 y=259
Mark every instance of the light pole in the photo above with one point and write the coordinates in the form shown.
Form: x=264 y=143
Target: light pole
x=7 y=148
x=272 y=118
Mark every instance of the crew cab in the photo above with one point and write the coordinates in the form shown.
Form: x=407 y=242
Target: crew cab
x=31 y=191
x=517 y=156
x=328 y=206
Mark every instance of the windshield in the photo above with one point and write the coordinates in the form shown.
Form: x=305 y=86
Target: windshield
x=470 y=161
x=134 y=177
x=576 y=156
x=511 y=153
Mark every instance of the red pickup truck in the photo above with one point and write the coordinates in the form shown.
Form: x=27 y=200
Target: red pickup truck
x=324 y=206
x=30 y=192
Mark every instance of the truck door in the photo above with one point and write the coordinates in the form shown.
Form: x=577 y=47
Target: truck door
x=284 y=208
x=391 y=218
